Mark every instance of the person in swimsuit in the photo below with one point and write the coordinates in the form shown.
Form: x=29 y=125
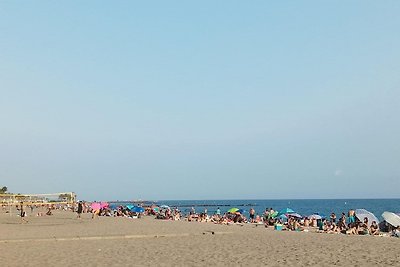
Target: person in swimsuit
x=333 y=217
x=374 y=228
x=352 y=216
x=252 y=215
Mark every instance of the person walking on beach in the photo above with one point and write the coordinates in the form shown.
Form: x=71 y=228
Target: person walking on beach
x=22 y=213
x=80 y=209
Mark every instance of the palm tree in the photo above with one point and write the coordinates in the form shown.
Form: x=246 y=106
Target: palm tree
x=3 y=190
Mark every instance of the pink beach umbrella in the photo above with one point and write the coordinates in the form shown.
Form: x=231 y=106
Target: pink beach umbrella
x=104 y=205
x=95 y=206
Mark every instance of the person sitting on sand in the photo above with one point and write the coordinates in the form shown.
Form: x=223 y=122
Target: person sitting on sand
x=252 y=213
x=313 y=222
x=321 y=224
x=343 y=217
x=342 y=227
x=306 y=222
x=396 y=232
x=363 y=227
x=266 y=214
x=297 y=226
x=327 y=228
x=374 y=228
x=333 y=217
x=352 y=229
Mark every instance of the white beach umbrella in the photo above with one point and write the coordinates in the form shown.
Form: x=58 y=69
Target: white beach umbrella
x=391 y=218
x=315 y=216
x=362 y=213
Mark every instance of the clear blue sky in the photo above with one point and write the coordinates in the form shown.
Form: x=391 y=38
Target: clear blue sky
x=206 y=100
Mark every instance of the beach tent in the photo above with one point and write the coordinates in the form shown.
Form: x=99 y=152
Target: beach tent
x=362 y=213
x=391 y=218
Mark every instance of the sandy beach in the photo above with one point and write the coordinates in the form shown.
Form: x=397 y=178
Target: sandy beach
x=63 y=240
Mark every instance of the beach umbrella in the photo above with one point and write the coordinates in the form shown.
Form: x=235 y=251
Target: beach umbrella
x=233 y=210
x=104 y=205
x=391 y=218
x=274 y=214
x=129 y=207
x=137 y=209
x=283 y=217
x=164 y=207
x=286 y=211
x=241 y=211
x=362 y=213
x=95 y=206
x=315 y=216
x=113 y=206
x=156 y=209
x=295 y=215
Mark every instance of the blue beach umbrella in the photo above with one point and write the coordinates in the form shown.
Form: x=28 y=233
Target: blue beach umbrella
x=241 y=211
x=137 y=209
x=113 y=206
x=286 y=211
x=282 y=217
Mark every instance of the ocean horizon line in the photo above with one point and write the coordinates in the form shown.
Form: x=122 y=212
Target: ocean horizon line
x=252 y=199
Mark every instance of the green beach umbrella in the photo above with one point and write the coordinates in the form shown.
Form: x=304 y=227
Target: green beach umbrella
x=233 y=210
x=274 y=214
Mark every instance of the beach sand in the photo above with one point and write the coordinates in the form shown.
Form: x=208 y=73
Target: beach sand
x=63 y=240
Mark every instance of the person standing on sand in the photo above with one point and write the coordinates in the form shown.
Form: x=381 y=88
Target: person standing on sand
x=352 y=216
x=80 y=209
x=22 y=213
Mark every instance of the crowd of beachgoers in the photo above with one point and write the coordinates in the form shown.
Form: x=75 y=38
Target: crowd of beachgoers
x=353 y=222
